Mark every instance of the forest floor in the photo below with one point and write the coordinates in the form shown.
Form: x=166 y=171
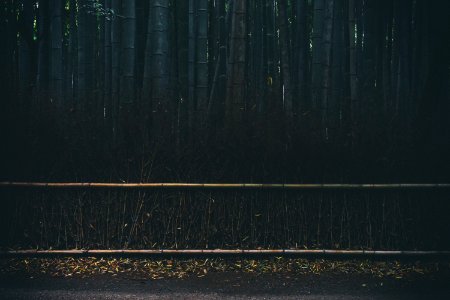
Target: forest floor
x=95 y=278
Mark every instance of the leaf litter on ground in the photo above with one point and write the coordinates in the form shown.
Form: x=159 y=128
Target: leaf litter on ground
x=173 y=268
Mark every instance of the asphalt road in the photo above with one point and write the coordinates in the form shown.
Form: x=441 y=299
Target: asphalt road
x=226 y=285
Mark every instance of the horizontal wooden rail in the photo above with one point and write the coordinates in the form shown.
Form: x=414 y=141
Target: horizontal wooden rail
x=218 y=252
x=259 y=186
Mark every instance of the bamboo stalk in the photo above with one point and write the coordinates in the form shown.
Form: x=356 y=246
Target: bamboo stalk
x=292 y=186
x=218 y=252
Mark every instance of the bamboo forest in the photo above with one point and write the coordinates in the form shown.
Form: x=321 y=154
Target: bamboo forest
x=225 y=91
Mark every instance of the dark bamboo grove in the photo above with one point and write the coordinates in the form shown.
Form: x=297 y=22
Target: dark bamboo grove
x=282 y=91
x=324 y=90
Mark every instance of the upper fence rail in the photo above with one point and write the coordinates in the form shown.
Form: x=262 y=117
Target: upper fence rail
x=228 y=186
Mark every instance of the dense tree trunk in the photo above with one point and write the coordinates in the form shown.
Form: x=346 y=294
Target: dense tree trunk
x=161 y=100
x=115 y=67
x=192 y=46
x=202 y=62
x=235 y=102
x=222 y=57
x=71 y=84
x=352 y=60
x=146 y=93
x=359 y=44
x=302 y=52
x=285 y=60
x=127 y=89
x=259 y=54
x=44 y=55
x=387 y=57
x=108 y=69
x=182 y=29
x=404 y=74
x=369 y=70
x=100 y=69
x=5 y=51
x=270 y=63
x=218 y=90
x=127 y=81
x=212 y=35
x=26 y=51
x=56 y=28
x=147 y=80
x=326 y=64
x=86 y=57
x=395 y=57
x=140 y=45
x=336 y=96
x=82 y=60
x=317 y=53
